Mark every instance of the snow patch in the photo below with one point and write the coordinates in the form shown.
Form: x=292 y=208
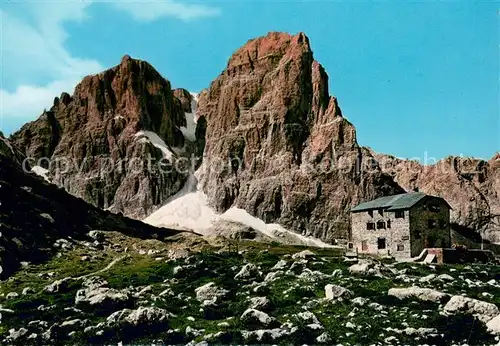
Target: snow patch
x=42 y=172
x=156 y=141
x=189 y=209
x=189 y=131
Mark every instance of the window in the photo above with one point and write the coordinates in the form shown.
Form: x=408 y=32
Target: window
x=434 y=207
x=381 y=212
x=380 y=224
x=370 y=212
x=401 y=247
x=364 y=245
x=370 y=225
x=400 y=214
x=405 y=237
x=432 y=223
x=350 y=246
x=388 y=224
x=381 y=243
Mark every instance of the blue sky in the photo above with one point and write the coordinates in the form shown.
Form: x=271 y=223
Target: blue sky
x=419 y=79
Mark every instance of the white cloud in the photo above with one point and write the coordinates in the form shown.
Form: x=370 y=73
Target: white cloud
x=36 y=66
x=152 y=10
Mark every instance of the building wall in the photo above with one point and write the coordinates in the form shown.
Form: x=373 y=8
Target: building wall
x=423 y=236
x=398 y=234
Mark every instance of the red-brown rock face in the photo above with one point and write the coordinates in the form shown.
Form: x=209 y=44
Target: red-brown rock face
x=293 y=158
x=106 y=141
x=471 y=186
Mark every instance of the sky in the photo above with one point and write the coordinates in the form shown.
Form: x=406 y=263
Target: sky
x=418 y=80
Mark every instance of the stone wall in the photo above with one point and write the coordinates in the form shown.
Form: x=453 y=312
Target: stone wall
x=397 y=237
x=424 y=236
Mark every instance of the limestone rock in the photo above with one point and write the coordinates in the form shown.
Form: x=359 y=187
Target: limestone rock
x=484 y=311
x=424 y=294
x=110 y=142
x=293 y=158
x=493 y=325
x=255 y=317
x=336 y=291
x=210 y=293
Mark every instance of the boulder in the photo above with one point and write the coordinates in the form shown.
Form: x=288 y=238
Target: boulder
x=254 y=317
x=336 y=291
x=484 y=311
x=209 y=293
x=249 y=270
x=424 y=294
x=493 y=325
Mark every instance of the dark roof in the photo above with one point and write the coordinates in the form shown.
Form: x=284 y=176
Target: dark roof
x=394 y=202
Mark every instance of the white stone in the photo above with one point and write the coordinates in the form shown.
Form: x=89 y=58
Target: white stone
x=424 y=294
x=493 y=326
x=303 y=254
x=482 y=310
x=253 y=316
x=335 y=291
x=247 y=271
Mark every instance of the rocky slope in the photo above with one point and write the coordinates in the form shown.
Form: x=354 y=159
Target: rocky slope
x=114 y=140
x=35 y=215
x=471 y=186
x=277 y=145
x=260 y=296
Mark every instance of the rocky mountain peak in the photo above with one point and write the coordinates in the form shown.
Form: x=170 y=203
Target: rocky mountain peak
x=122 y=115
x=271 y=115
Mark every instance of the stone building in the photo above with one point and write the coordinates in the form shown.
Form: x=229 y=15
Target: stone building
x=401 y=225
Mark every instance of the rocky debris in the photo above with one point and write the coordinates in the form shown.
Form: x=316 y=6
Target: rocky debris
x=427 y=278
x=446 y=277
x=336 y=291
x=308 y=318
x=12 y=295
x=249 y=270
x=312 y=275
x=273 y=276
x=265 y=335
x=28 y=290
x=424 y=294
x=140 y=317
x=209 y=293
x=116 y=121
x=493 y=325
x=281 y=264
x=96 y=296
x=58 y=286
x=303 y=255
x=324 y=338
x=359 y=301
x=484 y=311
x=365 y=268
x=470 y=185
x=15 y=335
x=421 y=332
x=259 y=303
x=271 y=116
x=97 y=235
x=253 y=317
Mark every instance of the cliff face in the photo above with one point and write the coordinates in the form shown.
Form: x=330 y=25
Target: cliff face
x=277 y=145
x=471 y=186
x=112 y=141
